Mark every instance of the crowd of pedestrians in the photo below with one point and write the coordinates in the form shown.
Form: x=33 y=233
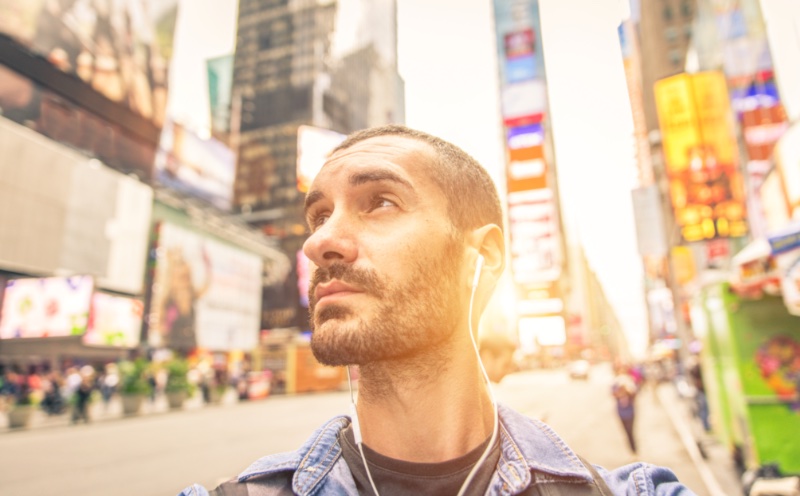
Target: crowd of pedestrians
x=72 y=390
x=57 y=392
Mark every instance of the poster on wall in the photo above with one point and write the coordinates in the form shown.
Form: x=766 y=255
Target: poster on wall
x=205 y=168
x=120 y=48
x=206 y=293
x=114 y=321
x=47 y=307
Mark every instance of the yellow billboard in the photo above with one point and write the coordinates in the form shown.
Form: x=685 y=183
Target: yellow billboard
x=701 y=155
x=677 y=119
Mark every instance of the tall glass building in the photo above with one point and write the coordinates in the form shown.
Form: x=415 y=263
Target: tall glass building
x=327 y=64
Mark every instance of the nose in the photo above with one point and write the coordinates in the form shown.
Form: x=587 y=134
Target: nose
x=333 y=241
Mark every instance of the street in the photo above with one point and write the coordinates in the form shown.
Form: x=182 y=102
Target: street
x=162 y=453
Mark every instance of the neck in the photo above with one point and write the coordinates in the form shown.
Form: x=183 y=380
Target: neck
x=428 y=408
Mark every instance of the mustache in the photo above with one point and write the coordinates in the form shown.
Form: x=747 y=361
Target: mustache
x=364 y=279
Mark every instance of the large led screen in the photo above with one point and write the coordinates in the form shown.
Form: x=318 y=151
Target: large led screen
x=114 y=321
x=706 y=187
x=200 y=167
x=314 y=144
x=48 y=307
x=206 y=294
x=120 y=48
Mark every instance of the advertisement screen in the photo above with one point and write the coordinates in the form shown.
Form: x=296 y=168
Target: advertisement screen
x=313 y=146
x=706 y=187
x=48 y=307
x=206 y=293
x=114 y=321
x=303 y=277
x=517 y=24
x=205 y=168
x=121 y=48
x=220 y=82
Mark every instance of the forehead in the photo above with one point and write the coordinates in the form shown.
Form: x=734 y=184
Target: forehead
x=409 y=158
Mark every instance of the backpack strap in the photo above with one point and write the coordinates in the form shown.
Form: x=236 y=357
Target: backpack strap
x=597 y=487
x=230 y=488
x=598 y=479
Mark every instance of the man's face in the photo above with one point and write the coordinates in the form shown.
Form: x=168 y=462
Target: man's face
x=387 y=281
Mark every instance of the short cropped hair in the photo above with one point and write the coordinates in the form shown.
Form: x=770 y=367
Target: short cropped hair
x=472 y=199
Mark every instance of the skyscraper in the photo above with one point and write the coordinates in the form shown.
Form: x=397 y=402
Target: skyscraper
x=665 y=28
x=329 y=64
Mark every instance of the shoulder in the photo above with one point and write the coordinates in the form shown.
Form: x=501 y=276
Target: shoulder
x=644 y=479
x=535 y=446
x=277 y=485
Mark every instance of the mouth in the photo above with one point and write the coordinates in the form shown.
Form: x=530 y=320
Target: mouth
x=334 y=290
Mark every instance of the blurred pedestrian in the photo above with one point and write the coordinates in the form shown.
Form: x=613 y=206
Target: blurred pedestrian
x=80 y=409
x=700 y=399
x=53 y=402
x=72 y=382
x=108 y=384
x=624 y=391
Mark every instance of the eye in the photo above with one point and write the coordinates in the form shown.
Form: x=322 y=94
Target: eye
x=316 y=221
x=381 y=202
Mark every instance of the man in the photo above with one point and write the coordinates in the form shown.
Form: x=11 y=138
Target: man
x=399 y=220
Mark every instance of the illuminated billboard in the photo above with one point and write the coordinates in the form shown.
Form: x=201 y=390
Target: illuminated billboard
x=535 y=238
x=220 y=82
x=114 y=321
x=205 y=168
x=701 y=153
x=47 y=307
x=522 y=80
x=121 y=48
x=314 y=144
x=206 y=293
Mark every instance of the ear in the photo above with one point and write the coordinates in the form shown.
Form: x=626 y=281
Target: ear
x=489 y=242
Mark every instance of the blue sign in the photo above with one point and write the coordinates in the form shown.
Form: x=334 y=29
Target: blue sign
x=521 y=69
x=786 y=240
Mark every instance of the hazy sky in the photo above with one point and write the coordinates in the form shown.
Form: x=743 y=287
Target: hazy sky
x=447 y=58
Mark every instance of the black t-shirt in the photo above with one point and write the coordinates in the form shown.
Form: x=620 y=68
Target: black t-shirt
x=393 y=476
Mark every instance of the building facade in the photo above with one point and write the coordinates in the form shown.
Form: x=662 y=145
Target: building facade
x=330 y=64
x=665 y=28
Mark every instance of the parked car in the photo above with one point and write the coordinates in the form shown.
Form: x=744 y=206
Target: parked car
x=579 y=369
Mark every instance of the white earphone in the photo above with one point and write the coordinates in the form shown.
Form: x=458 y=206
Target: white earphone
x=478 y=269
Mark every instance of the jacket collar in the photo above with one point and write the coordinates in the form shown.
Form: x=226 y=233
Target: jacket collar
x=529 y=445
x=526 y=445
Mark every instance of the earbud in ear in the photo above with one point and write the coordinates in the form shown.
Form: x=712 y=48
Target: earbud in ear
x=478 y=268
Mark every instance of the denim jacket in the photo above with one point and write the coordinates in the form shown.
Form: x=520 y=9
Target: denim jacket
x=527 y=446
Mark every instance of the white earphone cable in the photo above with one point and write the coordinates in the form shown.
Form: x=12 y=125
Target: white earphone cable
x=495 y=423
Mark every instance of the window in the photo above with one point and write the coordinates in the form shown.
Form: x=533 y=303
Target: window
x=264 y=41
x=675 y=57
x=686 y=9
x=667 y=13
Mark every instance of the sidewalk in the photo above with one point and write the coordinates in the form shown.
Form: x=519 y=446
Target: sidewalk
x=98 y=412
x=714 y=462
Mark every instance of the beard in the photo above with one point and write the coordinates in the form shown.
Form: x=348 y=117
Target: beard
x=408 y=318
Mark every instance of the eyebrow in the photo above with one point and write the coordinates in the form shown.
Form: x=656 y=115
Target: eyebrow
x=357 y=179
